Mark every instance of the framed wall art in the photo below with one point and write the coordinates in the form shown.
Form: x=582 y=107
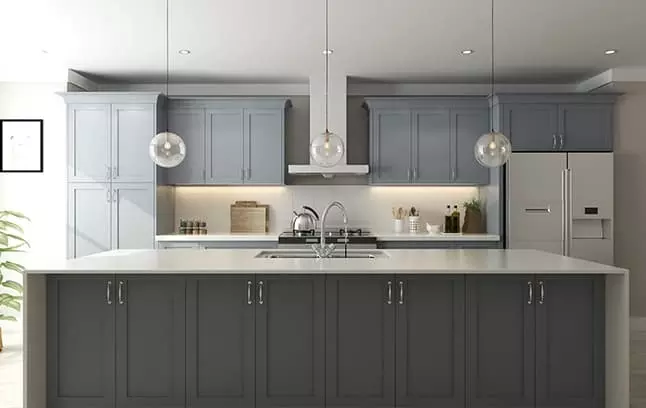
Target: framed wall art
x=21 y=145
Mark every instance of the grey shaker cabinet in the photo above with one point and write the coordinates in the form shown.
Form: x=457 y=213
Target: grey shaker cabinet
x=133 y=216
x=89 y=147
x=80 y=342
x=570 y=342
x=133 y=126
x=431 y=146
x=500 y=341
x=150 y=341
x=586 y=127
x=391 y=144
x=224 y=146
x=360 y=341
x=190 y=125
x=531 y=127
x=290 y=341
x=89 y=218
x=467 y=125
x=430 y=341
x=264 y=148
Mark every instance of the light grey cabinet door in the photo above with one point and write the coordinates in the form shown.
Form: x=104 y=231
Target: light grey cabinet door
x=290 y=341
x=467 y=125
x=190 y=125
x=391 y=145
x=88 y=145
x=150 y=343
x=430 y=340
x=264 y=150
x=133 y=126
x=88 y=219
x=531 y=127
x=224 y=146
x=586 y=127
x=360 y=341
x=220 y=368
x=133 y=216
x=570 y=342
x=431 y=147
x=500 y=341
x=80 y=342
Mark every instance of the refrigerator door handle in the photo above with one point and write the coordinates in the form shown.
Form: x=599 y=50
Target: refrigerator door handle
x=563 y=212
x=568 y=203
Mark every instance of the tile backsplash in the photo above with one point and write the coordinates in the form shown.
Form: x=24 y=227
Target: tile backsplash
x=367 y=206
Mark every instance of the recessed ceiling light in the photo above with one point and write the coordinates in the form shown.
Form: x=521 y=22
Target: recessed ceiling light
x=467 y=52
x=44 y=52
x=610 y=52
x=327 y=52
x=184 y=52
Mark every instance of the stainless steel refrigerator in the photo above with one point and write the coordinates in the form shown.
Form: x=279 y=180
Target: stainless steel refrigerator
x=561 y=203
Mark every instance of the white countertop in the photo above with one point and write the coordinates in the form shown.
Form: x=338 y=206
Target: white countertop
x=381 y=236
x=403 y=261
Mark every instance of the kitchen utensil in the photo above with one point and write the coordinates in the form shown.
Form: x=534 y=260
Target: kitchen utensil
x=413 y=212
x=305 y=220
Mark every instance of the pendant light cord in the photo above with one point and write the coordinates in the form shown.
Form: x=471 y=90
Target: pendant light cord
x=327 y=63
x=493 y=65
x=167 y=62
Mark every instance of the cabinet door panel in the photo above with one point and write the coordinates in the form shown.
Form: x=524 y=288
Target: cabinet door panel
x=88 y=219
x=80 y=342
x=500 y=342
x=189 y=124
x=264 y=146
x=531 y=127
x=360 y=342
x=391 y=147
x=431 y=146
x=88 y=142
x=133 y=219
x=220 y=342
x=290 y=348
x=569 y=342
x=224 y=146
x=150 y=342
x=133 y=126
x=430 y=341
x=467 y=125
x=586 y=127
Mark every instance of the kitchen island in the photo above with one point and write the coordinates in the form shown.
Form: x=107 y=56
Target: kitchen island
x=247 y=328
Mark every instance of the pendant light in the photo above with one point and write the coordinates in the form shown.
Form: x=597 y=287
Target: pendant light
x=492 y=149
x=327 y=149
x=167 y=149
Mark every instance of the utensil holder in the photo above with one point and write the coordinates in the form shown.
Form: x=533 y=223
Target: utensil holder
x=398 y=225
x=413 y=224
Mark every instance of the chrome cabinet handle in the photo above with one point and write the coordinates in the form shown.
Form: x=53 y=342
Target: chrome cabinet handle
x=261 y=296
x=249 y=285
x=115 y=195
x=408 y=174
x=452 y=174
x=561 y=136
x=415 y=173
x=401 y=292
x=108 y=293
x=530 y=290
x=115 y=171
x=108 y=196
x=541 y=287
x=108 y=171
x=553 y=141
x=389 y=300
x=242 y=174
x=249 y=173
x=120 y=293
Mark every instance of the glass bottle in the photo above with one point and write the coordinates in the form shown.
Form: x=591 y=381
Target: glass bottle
x=448 y=220
x=456 y=219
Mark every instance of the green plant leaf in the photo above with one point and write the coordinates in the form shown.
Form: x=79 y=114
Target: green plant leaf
x=12 y=248
x=13 y=285
x=7 y=318
x=16 y=214
x=15 y=237
x=7 y=225
x=4 y=240
x=12 y=266
x=11 y=302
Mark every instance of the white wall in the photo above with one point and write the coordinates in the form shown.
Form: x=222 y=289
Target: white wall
x=367 y=206
x=41 y=196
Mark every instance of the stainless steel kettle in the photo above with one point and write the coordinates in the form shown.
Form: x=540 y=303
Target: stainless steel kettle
x=305 y=221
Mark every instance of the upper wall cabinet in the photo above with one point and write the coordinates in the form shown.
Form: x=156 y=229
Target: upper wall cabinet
x=545 y=123
x=230 y=141
x=108 y=136
x=426 y=141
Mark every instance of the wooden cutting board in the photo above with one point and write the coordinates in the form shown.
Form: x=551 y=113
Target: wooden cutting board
x=249 y=217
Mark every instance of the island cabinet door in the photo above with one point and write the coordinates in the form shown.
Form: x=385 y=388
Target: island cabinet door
x=80 y=342
x=500 y=341
x=290 y=341
x=430 y=341
x=570 y=342
x=150 y=361
x=360 y=341
x=220 y=341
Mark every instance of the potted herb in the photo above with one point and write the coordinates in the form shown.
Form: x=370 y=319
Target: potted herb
x=473 y=219
x=11 y=240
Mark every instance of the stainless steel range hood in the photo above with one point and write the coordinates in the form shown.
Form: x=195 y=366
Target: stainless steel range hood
x=338 y=86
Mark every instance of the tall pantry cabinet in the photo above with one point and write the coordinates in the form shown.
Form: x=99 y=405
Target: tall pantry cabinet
x=111 y=181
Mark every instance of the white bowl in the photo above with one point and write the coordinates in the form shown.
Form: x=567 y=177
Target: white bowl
x=433 y=229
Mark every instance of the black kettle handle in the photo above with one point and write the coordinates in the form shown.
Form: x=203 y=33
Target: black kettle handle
x=313 y=211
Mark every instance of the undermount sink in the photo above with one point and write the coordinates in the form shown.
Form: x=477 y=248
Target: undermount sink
x=307 y=254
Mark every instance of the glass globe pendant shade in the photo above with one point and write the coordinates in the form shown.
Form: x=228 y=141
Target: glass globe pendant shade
x=167 y=149
x=327 y=149
x=492 y=149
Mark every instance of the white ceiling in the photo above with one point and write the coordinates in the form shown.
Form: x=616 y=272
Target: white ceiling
x=548 y=41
